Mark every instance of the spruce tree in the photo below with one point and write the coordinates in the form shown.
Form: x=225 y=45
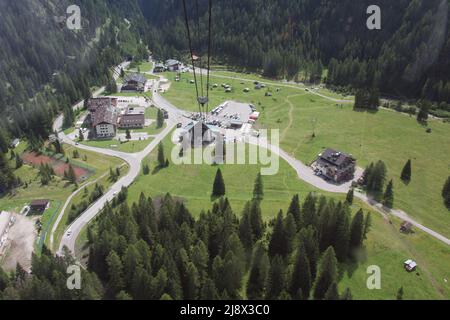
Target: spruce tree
x=71 y=176
x=258 y=190
x=256 y=220
x=290 y=229
x=161 y=156
x=347 y=295
x=309 y=211
x=80 y=135
x=301 y=274
x=406 y=172
x=245 y=228
x=342 y=234
x=388 y=198
x=327 y=274
x=128 y=134
x=357 y=230
x=367 y=225
x=4 y=145
x=279 y=242
x=159 y=119
x=332 y=292
x=276 y=281
x=115 y=274
x=294 y=209
x=400 y=293
x=446 y=193
x=219 y=185
x=350 y=196
x=258 y=274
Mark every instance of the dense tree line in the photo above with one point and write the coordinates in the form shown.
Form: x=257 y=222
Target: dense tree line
x=157 y=250
x=45 y=67
x=300 y=38
x=48 y=281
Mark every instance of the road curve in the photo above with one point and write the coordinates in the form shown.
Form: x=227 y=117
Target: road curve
x=306 y=174
x=133 y=160
x=175 y=116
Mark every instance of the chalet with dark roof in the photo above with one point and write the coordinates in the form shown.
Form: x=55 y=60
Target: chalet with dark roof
x=337 y=166
x=134 y=82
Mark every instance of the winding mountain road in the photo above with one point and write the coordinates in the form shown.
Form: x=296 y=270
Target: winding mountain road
x=176 y=115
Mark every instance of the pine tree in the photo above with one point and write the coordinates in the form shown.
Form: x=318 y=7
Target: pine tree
x=4 y=145
x=276 y=281
x=332 y=292
x=290 y=230
x=347 y=295
x=128 y=134
x=301 y=275
x=357 y=230
x=19 y=161
x=400 y=293
x=424 y=107
x=406 y=172
x=71 y=176
x=245 y=228
x=309 y=211
x=159 y=119
x=219 y=185
x=161 y=156
x=342 y=234
x=209 y=291
x=256 y=220
x=308 y=236
x=258 y=274
x=258 y=190
x=388 y=198
x=350 y=196
x=367 y=225
x=115 y=274
x=294 y=209
x=80 y=135
x=327 y=274
x=279 y=243
x=446 y=193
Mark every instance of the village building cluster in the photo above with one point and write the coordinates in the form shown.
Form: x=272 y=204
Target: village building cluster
x=105 y=117
x=171 y=65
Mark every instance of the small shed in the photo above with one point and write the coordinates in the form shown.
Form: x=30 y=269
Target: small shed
x=406 y=227
x=410 y=265
x=39 y=205
x=14 y=143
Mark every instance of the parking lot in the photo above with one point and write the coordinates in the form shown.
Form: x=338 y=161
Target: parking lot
x=229 y=114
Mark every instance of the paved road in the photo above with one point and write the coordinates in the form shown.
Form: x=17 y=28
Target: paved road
x=133 y=160
x=175 y=116
x=306 y=174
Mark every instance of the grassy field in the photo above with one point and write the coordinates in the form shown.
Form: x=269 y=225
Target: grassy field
x=193 y=183
x=388 y=136
x=104 y=181
x=385 y=246
x=57 y=191
x=125 y=146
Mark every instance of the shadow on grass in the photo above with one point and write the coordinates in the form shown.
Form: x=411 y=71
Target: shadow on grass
x=349 y=267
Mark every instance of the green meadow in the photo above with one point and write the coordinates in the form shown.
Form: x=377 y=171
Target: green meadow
x=389 y=136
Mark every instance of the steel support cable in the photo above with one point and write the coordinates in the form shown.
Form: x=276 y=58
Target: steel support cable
x=199 y=47
x=209 y=54
x=192 y=53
